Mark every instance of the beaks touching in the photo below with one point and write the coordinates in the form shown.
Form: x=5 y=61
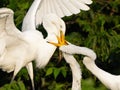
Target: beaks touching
x=61 y=40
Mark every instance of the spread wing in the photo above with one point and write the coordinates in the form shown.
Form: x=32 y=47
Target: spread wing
x=9 y=34
x=61 y=8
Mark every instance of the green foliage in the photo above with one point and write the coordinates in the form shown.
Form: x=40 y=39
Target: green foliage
x=56 y=71
x=89 y=84
x=15 y=85
x=98 y=29
x=20 y=7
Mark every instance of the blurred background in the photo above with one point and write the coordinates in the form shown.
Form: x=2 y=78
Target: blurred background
x=98 y=29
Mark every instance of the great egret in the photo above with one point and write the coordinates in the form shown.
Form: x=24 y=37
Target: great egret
x=16 y=45
x=18 y=48
x=109 y=80
x=40 y=8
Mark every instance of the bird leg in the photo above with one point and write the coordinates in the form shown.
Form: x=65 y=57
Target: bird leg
x=18 y=66
x=29 y=67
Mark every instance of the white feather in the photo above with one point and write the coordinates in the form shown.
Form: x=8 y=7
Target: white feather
x=86 y=1
x=61 y=8
x=70 y=6
x=80 y=5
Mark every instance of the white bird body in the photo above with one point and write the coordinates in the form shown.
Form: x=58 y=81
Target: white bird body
x=18 y=49
x=23 y=52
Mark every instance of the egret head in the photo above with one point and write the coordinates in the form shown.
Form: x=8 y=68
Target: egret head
x=4 y=12
x=53 y=24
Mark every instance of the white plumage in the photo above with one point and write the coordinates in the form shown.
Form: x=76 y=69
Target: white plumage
x=18 y=49
x=68 y=51
x=76 y=71
x=61 y=8
x=109 y=80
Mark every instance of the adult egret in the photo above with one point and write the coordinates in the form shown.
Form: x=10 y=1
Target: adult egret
x=16 y=45
x=40 y=8
x=109 y=80
x=18 y=48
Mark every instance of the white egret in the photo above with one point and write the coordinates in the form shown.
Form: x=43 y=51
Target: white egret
x=18 y=48
x=16 y=45
x=40 y=8
x=109 y=80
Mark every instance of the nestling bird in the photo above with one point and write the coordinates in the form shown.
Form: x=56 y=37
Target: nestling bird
x=111 y=81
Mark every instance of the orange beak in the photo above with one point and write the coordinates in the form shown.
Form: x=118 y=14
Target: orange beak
x=61 y=42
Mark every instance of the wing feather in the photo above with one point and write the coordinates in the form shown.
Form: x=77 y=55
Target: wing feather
x=70 y=7
x=64 y=9
x=57 y=8
x=61 y=8
x=85 y=1
x=9 y=34
x=80 y=5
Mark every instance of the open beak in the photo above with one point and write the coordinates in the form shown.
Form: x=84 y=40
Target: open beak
x=61 y=42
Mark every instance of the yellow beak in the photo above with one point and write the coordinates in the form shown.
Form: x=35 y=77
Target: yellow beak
x=61 y=40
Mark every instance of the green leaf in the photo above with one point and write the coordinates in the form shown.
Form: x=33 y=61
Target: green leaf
x=63 y=71
x=56 y=72
x=21 y=85
x=49 y=71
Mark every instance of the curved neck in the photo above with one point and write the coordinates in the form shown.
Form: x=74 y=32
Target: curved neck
x=29 y=19
x=105 y=77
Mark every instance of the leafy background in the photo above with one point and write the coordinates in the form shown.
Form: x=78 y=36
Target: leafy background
x=98 y=29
